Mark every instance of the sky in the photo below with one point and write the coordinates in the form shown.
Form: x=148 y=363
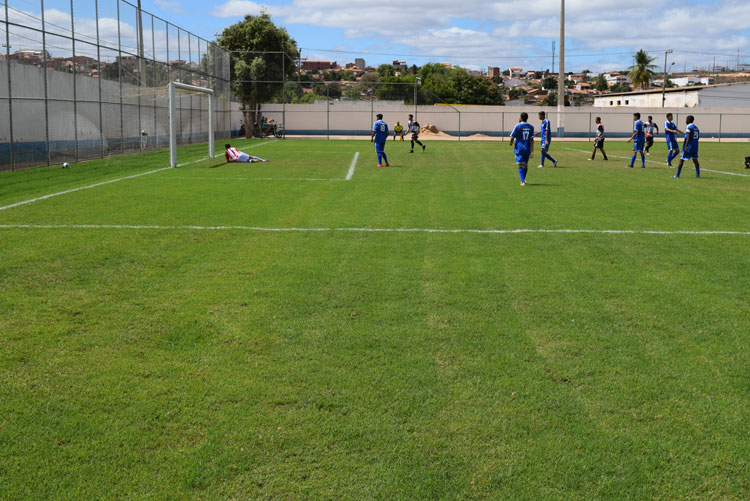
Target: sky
x=601 y=35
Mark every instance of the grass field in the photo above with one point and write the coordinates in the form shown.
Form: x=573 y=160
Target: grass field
x=225 y=331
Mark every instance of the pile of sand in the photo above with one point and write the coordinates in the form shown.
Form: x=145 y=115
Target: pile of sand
x=431 y=130
x=478 y=135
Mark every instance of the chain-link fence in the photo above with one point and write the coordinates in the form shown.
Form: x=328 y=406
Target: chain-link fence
x=349 y=108
x=83 y=79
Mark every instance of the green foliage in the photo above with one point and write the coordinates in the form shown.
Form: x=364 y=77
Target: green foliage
x=622 y=87
x=642 y=71
x=600 y=83
x=551 y=99
x=250 y=37
x=549 y=83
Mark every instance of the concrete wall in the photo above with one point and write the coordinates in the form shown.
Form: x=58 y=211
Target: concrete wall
x=356 y=118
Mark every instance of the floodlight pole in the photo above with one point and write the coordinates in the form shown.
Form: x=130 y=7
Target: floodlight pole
x=561 y=76
x=664 y=82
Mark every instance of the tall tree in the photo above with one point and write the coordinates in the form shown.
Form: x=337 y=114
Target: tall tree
x=253 y=66
x=642 y=71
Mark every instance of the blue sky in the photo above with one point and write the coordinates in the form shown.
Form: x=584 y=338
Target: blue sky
x=601 y=34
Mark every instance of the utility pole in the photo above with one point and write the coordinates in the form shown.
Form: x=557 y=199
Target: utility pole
x=140 y=43
x=561 y=76
x=553 y=56
x=664 y=81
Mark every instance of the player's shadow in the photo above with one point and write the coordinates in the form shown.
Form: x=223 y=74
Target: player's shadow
x=217 y=165
x=543 y=185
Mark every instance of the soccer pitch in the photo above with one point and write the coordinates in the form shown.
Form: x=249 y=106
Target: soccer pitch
x=315 y=327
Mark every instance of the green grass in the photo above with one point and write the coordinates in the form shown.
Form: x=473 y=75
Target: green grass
x=179 y=363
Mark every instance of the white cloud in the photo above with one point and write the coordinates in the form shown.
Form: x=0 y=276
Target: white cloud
x=516 y=27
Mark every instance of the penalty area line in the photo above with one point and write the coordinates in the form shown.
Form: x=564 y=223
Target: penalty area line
x=369 y=230
x=95 y=185
x=352 y=167
x=664 y=163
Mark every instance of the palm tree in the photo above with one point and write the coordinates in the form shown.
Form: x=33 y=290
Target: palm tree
x=641 y=73
x=600 y=83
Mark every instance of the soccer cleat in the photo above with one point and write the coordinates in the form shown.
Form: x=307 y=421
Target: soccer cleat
x=379 y=165
x=675 y=177
x=555 y=164
x=605 y=158
x=643 y=166
x=411 y=151
x=424 y=147
x=539 y=166
x=523 y=184
x=628 y=166
x=387 y=164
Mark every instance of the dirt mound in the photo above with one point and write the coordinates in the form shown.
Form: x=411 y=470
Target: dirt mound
x=479 y=134
x=431 y=130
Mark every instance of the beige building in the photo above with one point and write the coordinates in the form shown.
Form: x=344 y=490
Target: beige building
x=736 y=95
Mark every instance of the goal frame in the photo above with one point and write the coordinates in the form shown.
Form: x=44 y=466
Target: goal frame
x=173 y=118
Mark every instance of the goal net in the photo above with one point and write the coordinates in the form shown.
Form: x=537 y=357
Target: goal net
x=191 y=118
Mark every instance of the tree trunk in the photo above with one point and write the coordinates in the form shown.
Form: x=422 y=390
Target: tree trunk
x=249 y=122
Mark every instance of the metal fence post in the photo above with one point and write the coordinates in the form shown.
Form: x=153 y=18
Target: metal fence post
x=99 y=68
x=589 y=139
x=720 y=115
x=119 y=77
x=502 y=126
x=459 y=125
x=46 y=91
x=283 y=93
x=328 y=113
x=75 y=92
x=10 y=89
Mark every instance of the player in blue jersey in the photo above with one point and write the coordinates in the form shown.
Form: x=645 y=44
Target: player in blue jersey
x=379 y=136
x=690 y=147
x=639 y=140
x=523 y=137
x=670 y=129
x=546 y=137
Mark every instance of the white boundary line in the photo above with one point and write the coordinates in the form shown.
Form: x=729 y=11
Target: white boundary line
x=369 y=230
x=44 y=197
x=259 y=178
x=352 y=166
x=664 y=163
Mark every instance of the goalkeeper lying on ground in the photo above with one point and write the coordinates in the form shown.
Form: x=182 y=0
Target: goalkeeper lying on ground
x=234 y=155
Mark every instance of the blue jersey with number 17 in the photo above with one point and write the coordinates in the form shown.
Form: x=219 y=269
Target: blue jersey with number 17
x=523 y=134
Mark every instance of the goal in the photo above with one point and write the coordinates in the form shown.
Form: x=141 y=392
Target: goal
x=173 y=114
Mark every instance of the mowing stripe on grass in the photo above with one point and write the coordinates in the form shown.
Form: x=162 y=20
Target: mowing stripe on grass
x=367 y=230
x=352 y=166
x=95 y=185
x=664 y=163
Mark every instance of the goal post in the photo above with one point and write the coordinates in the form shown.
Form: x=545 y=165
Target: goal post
x=173 y=118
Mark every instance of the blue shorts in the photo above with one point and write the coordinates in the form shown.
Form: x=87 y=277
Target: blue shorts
x=687 y=155
x=522 y=158
x=545 y=146
x=638 y=146
x=672 y=144
x=379 y=147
